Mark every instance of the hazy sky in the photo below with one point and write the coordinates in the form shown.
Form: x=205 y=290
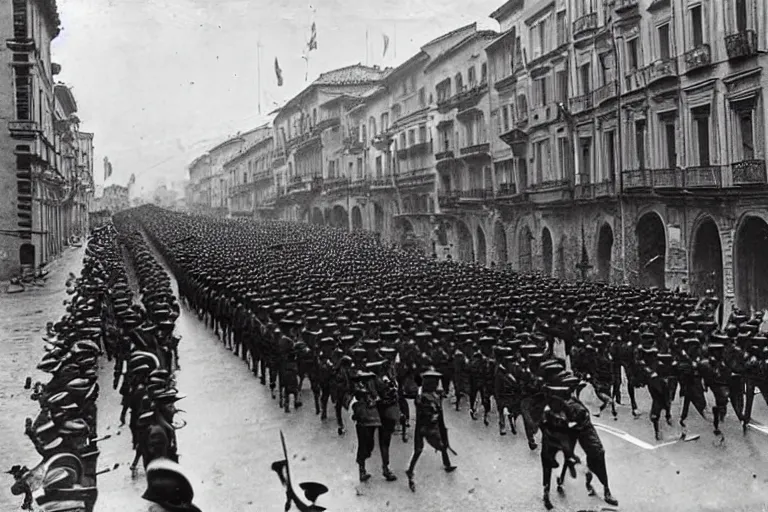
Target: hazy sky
x=161 y=81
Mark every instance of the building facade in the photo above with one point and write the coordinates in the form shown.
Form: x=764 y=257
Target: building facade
x=620 y=141
x=114 y=199
x=249 y=173
x=48 y=183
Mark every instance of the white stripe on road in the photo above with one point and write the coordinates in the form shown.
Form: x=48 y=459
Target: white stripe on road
x=758 y=426
x=632 y=439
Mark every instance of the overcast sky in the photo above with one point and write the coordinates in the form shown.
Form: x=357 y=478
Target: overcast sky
x=161 y=81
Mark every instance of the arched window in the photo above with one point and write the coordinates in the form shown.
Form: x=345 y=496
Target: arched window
x=459 y=82
x=372 y=126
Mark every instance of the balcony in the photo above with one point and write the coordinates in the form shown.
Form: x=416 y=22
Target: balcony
x=605 y=93
x=448 y=200
x=415 y=178
x=584 y=24
x=581 y=103
x=467 y=98
x=658 y=4
x=623 y=6
x=382 y=142
x=423 y=148
x=477 y=151
x=661 y=70
x=506 y=190
x=23 y=126
x=698 y=58
x=444 y=155
x=305 y=139
x=382 y=184
x=354 y=145
x=543 y=114
x=673 y=178
x=749 y=172
x=741 y=44
x=590 y=191
x=335 y=185
x=402 y=154
x=517 y=140
x=330 y=122
x=550 y=191
x=475 y=194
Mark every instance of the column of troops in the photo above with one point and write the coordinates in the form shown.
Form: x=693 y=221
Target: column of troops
x=373 y=328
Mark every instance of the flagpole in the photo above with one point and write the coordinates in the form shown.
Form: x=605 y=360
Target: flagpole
x=366 y=46
x=258 y=70
x=395 y=39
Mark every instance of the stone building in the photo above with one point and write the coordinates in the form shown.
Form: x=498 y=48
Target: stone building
x=114 y=199
x=198 y=194
x=45 y=187
x=251 y=177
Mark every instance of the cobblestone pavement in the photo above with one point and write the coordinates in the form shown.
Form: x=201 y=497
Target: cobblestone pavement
x=232 y=437
x=22 y=324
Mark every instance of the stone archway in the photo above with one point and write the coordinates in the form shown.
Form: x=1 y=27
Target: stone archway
x=357 y=219
x=481 y=247
x=317 y=216
x=651 y=250
x=707 y=260
x=328 y=217
x=339 y=217
x=500 y=239
x=378 y=218
x=525 y=250
x=604 y=252
x=27 y=254
x=407 y=234
x=546 y=251
x=749 y=268
x=465 y=243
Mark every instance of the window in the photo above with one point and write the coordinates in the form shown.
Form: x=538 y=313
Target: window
x=585 y=73
x=741 y=15
x=443 y=90
x=396 y=109
x=379 y=168
x=459 y=82
x=422 y=97
x=562 y=34
x=505 y=118
x=701 y=134
x=538 y=37
x=609 y=154
x=402 y=141
x=372 y=126
x=670 y=143
x=471 y=77
x=522 y=107
x=561 y=82
x=540 y=91
x=633 y=57
x=411 y=137
x=697 y=28
x=484 y=73
x=423 y=133
x=364 y=133
x=331 y=169
x=384 y=121
x=746 y=133
x=663 y=31
x=543 y=167
x=640 y=143
x=359 y=168
x=606 y=68
x=585 y=159
x=564 y=154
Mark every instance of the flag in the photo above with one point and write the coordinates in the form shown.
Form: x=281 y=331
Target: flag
x=107 y=169
x=386 y=44
x=132 y=180
x=278 y=73
x=312 y=45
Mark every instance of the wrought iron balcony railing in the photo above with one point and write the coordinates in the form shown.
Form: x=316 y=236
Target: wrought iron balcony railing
x=741 y=44
x=605 y=92
x=749 y=172
x=584 y=24
x=699 y=57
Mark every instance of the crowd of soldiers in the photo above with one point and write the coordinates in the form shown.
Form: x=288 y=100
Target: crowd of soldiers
x=373 y=328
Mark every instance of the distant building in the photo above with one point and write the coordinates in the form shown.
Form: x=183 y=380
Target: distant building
x=115 y=199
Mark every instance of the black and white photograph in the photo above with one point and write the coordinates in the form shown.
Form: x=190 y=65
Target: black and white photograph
x=365 y=256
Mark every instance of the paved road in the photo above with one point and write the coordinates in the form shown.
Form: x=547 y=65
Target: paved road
x=232 y=438
x=22 y=324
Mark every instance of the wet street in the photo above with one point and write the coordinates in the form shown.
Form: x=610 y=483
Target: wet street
x=232 y=438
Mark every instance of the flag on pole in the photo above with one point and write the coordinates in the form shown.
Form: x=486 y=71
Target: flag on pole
x=107 y=168
x=312 y=45
x=278 y=73
x=386 y=44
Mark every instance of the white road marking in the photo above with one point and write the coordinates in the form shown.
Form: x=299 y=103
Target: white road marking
x=632 y=439
x=758 y=426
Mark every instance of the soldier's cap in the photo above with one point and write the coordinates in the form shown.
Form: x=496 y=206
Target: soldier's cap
x=715 y=347
x=528 y=349
x=363 y=375
x=647 y=335
x=371 y=343
x=376 y=365
x=536 y=357
x=691 y=341
x=345 y=359
x=347 y=338
x=718 y=337
x=650 y=350
x=760 y=341
x=665 y=356
x=586 y=330
x=552 y=366
x=560 y=391
x=423 y=335
x=386 y=351
x=359 y=351
x=431 y=374
x=388 y=335
x=330 y=326
x=443 y=331
x=327 y=341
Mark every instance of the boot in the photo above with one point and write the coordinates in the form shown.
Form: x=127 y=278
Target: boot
x=545 y=498
x=411 y=483
x=590 y=489
x=502 y=429
x=485 y=418
x=609 y=499
x=656 y=430
x=473 y=414
x=364 y=475
x=512 y=427
x=389 y=476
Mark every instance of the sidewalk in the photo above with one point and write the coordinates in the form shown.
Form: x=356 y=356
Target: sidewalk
x=22 y=324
